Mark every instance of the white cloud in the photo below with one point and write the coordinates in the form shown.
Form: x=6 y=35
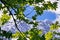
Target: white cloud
x=58 y=9
x=0 y=13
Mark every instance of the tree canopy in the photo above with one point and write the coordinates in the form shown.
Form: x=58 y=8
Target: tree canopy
x=19 y=6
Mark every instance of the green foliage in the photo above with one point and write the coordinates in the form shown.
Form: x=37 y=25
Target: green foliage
x=15 y=35
x=48 y=36
x=19 y=6
x=39 y=10
x=34 y=18
x=20 y=36
x=5 y=11
x=35 y=24
x=37 y=1
x=4 y=18
x=54 y=26
x=20 y=16
x=6 y=34
x=34 y=34
x=0 y=6
x=50 y=5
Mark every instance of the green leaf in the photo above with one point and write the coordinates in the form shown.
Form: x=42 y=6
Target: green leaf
x=21 y=38
x=37 y=1
x=34 y=18
x=39 y=10
x=4 y=18
x=48 y=36
x=5 y=11
x=6 y=34
x=0 y=6
x=19 y=5
x=35 y=34
x=35 y=24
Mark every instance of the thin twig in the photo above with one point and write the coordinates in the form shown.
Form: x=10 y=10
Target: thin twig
x=12 y=17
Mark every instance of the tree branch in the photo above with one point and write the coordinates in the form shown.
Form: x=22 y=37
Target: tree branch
x=12 y=17
x=10 y=13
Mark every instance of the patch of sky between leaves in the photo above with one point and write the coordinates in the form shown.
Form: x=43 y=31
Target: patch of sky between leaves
x=46 y=14
x=31 y=11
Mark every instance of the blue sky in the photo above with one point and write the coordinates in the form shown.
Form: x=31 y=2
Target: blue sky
x=46 y=14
